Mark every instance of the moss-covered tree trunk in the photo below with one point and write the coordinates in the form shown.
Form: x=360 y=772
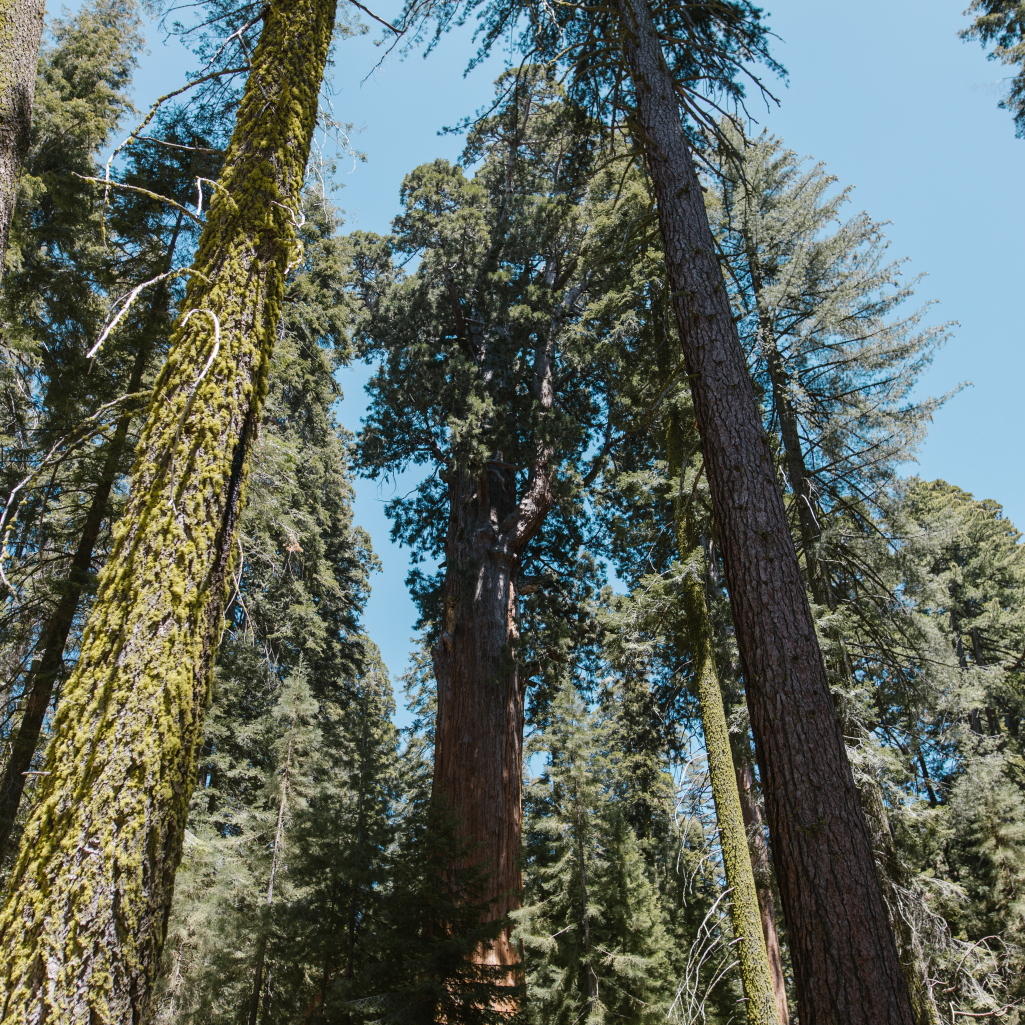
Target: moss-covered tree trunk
x=82 y=931
x=845 y=961
x=745 y=916
x=21 y=31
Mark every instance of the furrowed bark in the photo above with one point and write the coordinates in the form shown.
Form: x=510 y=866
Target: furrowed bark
x=869 y=793
x=478 y=752
x=845 y=962
x=21 y=31
x=755 y=969
x=90 y=893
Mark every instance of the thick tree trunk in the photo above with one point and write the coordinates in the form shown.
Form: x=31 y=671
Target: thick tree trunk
x=869 y=792
x=845 y=962
x=763 y=884
x=479 y=733
x=81 y=934
x=21 y=31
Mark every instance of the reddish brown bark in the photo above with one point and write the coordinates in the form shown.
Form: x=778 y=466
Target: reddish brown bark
x=845 y=963
x=479 y=732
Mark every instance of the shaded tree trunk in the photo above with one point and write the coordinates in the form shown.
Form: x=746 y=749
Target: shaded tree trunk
x=92 y=885
x=762 y=869
x=845 y=961
x=890 y=871
x=755 y=967
x=21 y=31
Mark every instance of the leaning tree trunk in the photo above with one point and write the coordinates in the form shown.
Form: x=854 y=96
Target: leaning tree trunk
x=891 y=873
x=21 y=30
x=755 y=970
x=81 y=934
x=49 y=660
x=754 y=825
x=845 y=962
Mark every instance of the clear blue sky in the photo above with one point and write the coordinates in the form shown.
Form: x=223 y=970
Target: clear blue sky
x=886 y=95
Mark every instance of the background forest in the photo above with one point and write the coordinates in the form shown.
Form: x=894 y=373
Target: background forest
x=526 y=386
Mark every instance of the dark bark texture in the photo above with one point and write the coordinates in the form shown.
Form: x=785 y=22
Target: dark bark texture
x=845 y=962
x=82 y=930
x=479 y=733
x=49 y=659
x=21 y=31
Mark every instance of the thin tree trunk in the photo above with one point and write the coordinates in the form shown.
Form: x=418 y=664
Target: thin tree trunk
x=261 y=952
x=755 y=967
x=845 y=962
x=21 y=31
x=763 y=884
x=92 y=885
x=585 y=908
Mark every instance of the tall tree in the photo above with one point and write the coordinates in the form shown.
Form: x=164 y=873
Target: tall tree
x=657 y=61
x=492 y=375
x=21 y=32
x=1002 y=24
x=95 y=871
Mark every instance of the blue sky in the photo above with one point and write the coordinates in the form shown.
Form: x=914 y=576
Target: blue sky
x=884 y=93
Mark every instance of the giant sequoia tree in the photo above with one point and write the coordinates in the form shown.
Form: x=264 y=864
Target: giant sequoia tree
x=493 y=375
x=652 y=63
x=93 y=880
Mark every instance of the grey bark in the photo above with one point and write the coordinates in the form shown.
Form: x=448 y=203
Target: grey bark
x=21 y=31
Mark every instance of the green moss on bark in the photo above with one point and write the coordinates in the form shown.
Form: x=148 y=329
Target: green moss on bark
x=744 y=912
x=82 y=930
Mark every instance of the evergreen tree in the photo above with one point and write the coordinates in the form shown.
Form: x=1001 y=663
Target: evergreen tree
x=1002 y=23
x=122 y=763
x=21 y=32
x=591 y=924
x=496 y=373
x=649 y=63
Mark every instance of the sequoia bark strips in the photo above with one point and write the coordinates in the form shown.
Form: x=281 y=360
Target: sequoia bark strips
x=82 y=931
x=21 y=31
x=845 y=962
x=478 y=751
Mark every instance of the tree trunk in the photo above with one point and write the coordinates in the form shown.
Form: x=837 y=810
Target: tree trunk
x=755 y=968
x=81 y=934
x=478 y=745
x=479 y=733
x=845 y=962
x=53 y=638
x=21 y=31
x=763 y=884
x=869 y=792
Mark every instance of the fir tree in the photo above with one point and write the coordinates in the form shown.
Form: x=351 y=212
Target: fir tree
x=1001 y=23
